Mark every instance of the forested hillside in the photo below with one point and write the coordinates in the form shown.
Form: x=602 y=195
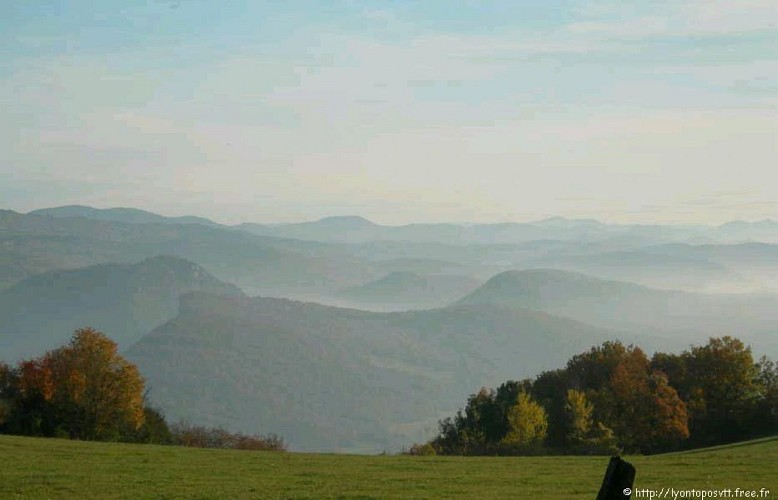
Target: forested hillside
x=329 y=378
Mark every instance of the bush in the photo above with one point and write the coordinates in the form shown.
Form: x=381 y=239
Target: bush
x=421 y=450
x=185 y=434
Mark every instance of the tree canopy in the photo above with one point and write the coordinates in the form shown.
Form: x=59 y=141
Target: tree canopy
x=614 y=397
x=84 y=390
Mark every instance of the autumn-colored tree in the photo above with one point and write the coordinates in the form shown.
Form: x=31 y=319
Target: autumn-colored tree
x=528 y=423
x=646 y=412
x=612 y=397
x=85 y=390
x=578 y=411
x=593 y=369
x=103 y=390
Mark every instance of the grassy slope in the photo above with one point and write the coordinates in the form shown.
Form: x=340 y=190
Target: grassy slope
x=47 y=468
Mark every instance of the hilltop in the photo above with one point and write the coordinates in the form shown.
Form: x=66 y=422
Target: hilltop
x=119 y=214
x=125 y=300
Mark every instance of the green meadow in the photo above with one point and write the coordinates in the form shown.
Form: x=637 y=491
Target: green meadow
x=52 y=468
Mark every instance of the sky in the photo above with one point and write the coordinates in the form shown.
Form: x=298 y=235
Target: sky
x=465 y=111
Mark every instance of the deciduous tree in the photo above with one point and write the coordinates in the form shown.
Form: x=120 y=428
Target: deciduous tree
x=527 y=423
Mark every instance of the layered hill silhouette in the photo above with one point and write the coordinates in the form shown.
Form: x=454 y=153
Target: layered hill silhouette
x=32 y=244
x=672 y=315
x=119 y=214
x=354 y=229
x=124 y=300
x=405 y=290
x=319 y=258
x=341 y=379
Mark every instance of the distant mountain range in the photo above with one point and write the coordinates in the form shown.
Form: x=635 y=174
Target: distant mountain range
x=31 y=244
x=356 y=229
x=673 y=318
x=127 y=215
x=124 y=300
x=351 y=229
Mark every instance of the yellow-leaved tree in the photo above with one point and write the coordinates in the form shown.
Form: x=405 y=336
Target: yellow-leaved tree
x=90 y=390
x=527 y=424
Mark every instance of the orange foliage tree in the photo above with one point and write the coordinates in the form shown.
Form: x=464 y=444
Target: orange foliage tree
x=638 y=403
x=85 y=390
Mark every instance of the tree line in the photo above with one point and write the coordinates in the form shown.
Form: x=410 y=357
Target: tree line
x=86 y=390
x=615 y=398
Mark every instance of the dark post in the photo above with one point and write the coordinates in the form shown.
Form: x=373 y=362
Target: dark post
x=618 y=480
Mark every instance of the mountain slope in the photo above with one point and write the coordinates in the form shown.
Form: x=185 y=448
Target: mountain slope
x=405 y=290
x=124 y=300
x=341 y=379
x=611 y=304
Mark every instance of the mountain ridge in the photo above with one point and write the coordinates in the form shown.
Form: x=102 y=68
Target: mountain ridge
x=125 y=301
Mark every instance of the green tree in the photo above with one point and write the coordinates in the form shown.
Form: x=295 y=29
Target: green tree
x=550 y=390
x=722 y=386
x=7 y=389
x=765 y=421
x=470 y=431
x=154 y=429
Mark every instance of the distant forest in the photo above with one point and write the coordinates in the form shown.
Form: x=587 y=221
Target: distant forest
x=614 y=398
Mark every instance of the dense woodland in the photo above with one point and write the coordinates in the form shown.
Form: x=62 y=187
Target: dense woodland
x=86 y=390
x=615 y=398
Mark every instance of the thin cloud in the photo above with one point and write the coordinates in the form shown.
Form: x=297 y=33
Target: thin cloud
x=677 y=19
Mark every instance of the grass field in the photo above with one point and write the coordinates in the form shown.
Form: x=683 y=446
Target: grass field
x=50 y=468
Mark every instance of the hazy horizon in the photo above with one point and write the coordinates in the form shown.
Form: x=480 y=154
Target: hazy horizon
x=399 y=113
x=380 y=223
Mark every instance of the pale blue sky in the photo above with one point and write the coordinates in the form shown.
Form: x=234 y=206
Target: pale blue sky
x=661 y=111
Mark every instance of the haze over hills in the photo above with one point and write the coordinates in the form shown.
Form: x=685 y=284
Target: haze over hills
x=673 y=316
x=354 y=229
x=119 y=214
x=476 y=305
x=350 y=251
x=737 y=267
x=405 y=290
x=31 y=244
x=124 y=300
x=341 y=379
